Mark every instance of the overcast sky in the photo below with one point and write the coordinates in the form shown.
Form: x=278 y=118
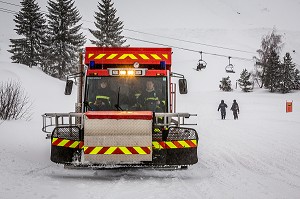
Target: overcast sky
x=196 y=14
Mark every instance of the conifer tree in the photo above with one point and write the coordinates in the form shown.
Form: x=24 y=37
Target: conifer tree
x=30 y=25
x=109 y=27
x=297 y=80
x=269 y=43
x=287 y=77
x=65 y=42
x=244 y=81
x=225 y=84
x=272 y=72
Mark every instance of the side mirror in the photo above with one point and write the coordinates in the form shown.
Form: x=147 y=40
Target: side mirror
x=182 y=86
x=68 y=88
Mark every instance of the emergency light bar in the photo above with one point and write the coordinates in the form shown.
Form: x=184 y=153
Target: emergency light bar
x=127 y=71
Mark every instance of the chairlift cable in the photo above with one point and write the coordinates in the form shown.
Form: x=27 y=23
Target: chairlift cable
x=7 y=11
x=187 y=49
x=183 y=40
x=12 y=4
x=187 y=41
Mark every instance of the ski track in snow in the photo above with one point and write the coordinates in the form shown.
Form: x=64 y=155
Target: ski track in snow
x=230 y=162
x=257 y=156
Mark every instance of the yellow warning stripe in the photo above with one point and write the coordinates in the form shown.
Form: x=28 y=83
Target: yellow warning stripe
x=111 y=56
x=171 y=145
x=131 y=56
x=122 y=149
x=155 y=56
x=117 y=150
x=100 y=56
x=75 y=144
x=110 y=150
x=63 y=143
x=125 y=150
x=143 y=56
x=95 y=150
x=67 y=143
x=174 y=144
x=139 y=150
x=128 y=55
x=156 y=145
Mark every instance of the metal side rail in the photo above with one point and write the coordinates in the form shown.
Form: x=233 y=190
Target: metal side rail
x=172 y=119
x=53 y=120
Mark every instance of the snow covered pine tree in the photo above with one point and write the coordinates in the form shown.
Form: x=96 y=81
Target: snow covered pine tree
x=269 y=43
x=30 y=25
x=225 y=84
x=244 y=82
x=288 y=74
x=65 y=41
x=272 y=72
x=109 y=28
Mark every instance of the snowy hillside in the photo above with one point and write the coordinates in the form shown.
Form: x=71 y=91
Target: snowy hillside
x=257 y=156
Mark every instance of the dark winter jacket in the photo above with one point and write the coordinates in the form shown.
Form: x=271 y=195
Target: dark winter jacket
x=149 y=100
x=223 y=107
x=235 y=107
x=103 y=99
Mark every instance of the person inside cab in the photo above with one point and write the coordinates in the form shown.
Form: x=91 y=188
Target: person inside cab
x=150 y=98
x=103 y=97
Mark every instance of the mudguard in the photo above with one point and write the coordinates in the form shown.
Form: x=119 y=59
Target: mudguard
x=71 y=139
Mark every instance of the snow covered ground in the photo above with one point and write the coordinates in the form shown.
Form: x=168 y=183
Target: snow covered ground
x=257 y=156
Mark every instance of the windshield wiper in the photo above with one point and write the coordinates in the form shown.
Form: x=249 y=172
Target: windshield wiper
x=86 y=102
x=117 y=106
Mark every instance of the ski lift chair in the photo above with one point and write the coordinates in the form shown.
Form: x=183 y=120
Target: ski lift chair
x=229 y=68
x=201 y=63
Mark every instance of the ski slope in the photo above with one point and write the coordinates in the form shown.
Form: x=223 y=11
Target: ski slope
x=257 y=156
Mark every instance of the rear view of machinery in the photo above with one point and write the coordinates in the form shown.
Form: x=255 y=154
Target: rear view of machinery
x=125 y=113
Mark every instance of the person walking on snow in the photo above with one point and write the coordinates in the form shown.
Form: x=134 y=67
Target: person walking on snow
x=235 y=109
x=223 y=107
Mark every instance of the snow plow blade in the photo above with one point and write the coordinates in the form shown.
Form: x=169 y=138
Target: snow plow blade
x=105 y=142
x=179 y=148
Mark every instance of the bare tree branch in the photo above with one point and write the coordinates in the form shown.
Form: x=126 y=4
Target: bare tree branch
x=14 y=102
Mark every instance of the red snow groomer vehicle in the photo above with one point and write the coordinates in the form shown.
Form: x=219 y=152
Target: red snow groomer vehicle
x=125 y=113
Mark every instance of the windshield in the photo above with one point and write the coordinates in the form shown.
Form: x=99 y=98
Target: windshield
x=126 y=93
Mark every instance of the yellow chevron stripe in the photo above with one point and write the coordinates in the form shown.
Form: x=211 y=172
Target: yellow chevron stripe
x=165 y=56
x=111 y=56
x=63 y=142
x=85 y=148
x=155 y=56
x=75 y=144
x=139 y=150
x=143 y=56
x=124 y=150
x=184 y=144
x=171 y=145
x=131 y=56
x=54 y=139
x=96 y=150
x=110 y=150
x=156 y=145
x=90 y=55
x=100 y=56
x=194 y=141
